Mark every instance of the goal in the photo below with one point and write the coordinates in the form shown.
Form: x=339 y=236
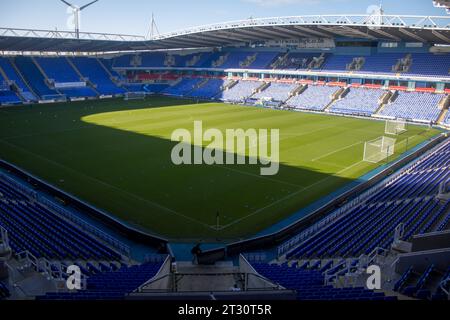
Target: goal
x=379 y=149
x=135 y=95
x=395 y=127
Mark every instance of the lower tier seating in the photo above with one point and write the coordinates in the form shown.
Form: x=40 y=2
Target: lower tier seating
x=409 y=198
x=111 y=285
x=34 y=228
x=309 y=284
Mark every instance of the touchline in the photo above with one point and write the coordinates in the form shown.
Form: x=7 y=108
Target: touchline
x=229 y=148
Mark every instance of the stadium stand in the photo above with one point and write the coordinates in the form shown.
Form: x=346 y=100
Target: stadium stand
x=34 y=228
x=34 y=77
x=184 y=87
x=9 y=97
x=276 y=91
x=111 y=285
x=58 y=69
x=414 y=106
x=313 y=98
x=409 y=198
x=241 y=91
x=12 y=75
x=359 y=101
x=425 y=64
x=92 y=70
x=210 y=89
x=309 y=283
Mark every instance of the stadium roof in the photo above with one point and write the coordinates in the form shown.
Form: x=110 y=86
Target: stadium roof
x=426 y=29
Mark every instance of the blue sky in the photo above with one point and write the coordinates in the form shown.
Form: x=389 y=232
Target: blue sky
x=133 y=16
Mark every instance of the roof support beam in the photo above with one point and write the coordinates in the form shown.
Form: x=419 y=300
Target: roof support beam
x=271 y=32
x=412 y=35
x=314 y=33
x=296 y=33
x=384 y=34
x=440 y=36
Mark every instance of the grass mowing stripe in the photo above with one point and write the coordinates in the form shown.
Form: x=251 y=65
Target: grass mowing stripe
x=128 y=146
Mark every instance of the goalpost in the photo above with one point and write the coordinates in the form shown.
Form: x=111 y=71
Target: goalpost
x=379 y=149
x=395 y=127
x=140 y=95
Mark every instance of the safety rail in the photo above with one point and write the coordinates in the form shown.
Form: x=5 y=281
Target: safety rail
x=352 y=270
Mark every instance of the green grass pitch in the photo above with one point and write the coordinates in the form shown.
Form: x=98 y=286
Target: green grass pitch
x=115 y=154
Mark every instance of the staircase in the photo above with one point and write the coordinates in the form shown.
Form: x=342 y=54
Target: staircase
x=383 y=101
x=219 y=62
x=298 y=91
x=356 y=64
x=403 y=65
x=317 y=62
x=230 y=85
x=262 y=87
x=169 y=60
x=443 y=116
x=248 y=61
x=280 y=61
x=340 y=94
x=194 y=60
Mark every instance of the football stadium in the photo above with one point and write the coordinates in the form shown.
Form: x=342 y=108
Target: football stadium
x=285 y=158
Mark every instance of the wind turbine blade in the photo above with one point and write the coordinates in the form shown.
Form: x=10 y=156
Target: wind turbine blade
x=87 y=5
x=67 y=3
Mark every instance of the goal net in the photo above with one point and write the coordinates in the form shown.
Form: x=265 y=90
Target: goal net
x=135 y=95
x=379 y=149
x=395 y=127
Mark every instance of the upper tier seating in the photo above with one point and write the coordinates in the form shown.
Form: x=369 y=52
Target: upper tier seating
x=297 y=61
x=234 y=59
x=309 y=284
x=209 y=90
x=112 y=285
x=408 y=198
x=263 y=60
x=359 y=101
x=207 y=58
x=34 y=77
x=313 y=98
x=34 y=228
x=91 y=69
x=429 y=64
x=414 y=105
x=241 y=91
x=377 y=63
x=276 y=91
x=12 y=75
